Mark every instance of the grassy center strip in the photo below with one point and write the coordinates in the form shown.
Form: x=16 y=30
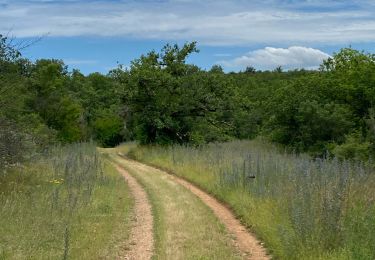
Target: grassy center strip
x=185 y=228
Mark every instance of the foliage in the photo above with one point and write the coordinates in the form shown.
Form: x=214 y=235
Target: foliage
x=309 y=111
x=46 y=102
x=354 y=147
x=163 y=99
x=171 y=101
x=7 y=52
x=12 y=146
x=107 y=129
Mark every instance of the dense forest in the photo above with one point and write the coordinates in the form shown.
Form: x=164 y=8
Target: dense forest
x=162 y=99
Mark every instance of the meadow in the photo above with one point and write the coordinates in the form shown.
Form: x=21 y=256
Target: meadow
x=302 y=208
x=67 y=203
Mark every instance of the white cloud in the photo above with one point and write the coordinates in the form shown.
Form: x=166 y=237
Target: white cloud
x=220 y=22
x=294 y=57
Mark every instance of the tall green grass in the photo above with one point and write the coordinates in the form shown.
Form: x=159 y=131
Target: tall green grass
x=302 y=208
x=67 y=204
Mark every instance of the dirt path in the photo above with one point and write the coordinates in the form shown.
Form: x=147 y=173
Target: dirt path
x=245 y=242
x=141 y=240
x=184 y=227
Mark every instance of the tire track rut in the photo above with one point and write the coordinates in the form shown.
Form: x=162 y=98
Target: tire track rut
x=247 y=243
x=141 y=243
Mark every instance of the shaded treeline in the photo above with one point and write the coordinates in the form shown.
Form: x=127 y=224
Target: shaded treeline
x=162 y=99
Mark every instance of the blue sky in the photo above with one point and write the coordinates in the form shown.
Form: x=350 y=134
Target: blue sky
x=96 y=35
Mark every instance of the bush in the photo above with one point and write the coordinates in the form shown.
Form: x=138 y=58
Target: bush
x=108 y=130
x=354 y=147
x=12 y=145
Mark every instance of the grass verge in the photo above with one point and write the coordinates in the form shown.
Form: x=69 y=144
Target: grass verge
x=68 y=204
x=301 y=208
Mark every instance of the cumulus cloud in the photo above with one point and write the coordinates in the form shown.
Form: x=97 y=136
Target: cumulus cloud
x=220 y=22
x=294 y=57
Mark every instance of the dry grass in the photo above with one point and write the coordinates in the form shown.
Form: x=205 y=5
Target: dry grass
x=66 y=204
x=301 y=208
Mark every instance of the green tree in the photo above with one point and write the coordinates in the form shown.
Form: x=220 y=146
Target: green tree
x=53 y=102
x=169 y=100
x=108 y=129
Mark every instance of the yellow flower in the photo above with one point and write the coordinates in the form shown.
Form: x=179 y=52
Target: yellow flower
x=56 y=181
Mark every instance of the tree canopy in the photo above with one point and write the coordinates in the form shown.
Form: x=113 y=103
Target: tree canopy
x=161 y=98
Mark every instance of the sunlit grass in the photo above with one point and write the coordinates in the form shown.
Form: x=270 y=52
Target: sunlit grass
x=302 y=208
x=67 y=204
